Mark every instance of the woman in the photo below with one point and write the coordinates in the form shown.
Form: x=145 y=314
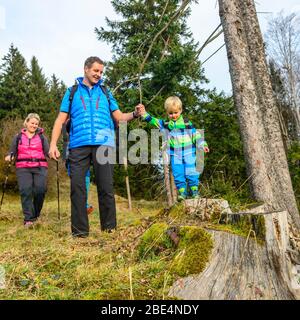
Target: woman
x=30 y=148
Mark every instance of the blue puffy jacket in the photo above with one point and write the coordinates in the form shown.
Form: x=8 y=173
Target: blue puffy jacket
x=91 y=119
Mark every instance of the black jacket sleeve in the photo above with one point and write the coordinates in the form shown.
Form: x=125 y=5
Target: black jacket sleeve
x=46 y=147
x=13 y=147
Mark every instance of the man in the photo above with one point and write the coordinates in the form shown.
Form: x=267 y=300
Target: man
x=92 y=115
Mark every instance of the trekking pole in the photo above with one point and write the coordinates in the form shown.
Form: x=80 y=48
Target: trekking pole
x=58 y=202
x=5 y=181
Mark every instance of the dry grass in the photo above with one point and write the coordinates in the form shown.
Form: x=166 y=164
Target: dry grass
x=47 y=263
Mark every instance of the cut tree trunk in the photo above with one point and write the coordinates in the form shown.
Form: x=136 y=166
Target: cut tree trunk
x=238 y=270
x=240 y=267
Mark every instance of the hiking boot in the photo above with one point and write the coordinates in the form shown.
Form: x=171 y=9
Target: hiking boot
x=28 y=224
x=109 y=230
x=181 y=197
x=89 y=210
x=181 y=194
x=195 y=195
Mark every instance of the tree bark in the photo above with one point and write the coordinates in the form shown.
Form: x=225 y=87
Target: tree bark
x=260 y=130
x=258 y=115
x=240 y=267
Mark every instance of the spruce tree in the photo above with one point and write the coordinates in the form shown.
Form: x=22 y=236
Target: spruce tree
x=171 y=67
x=154 y=57
x=39 y=96
x=57 y=90
x=14 y=84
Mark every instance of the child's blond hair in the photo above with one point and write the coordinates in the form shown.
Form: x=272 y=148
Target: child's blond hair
x=32 y=116
x=173 y=103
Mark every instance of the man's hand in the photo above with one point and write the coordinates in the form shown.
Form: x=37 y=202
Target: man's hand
x=54 y=152
x=206 y=149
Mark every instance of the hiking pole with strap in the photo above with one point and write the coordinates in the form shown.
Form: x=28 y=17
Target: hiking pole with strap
x=58 y=202
x=5 y=181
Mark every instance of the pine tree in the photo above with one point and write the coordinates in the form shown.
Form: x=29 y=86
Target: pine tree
x=171 y=67
x=154 y=57
x=39 y=97
x=14 y=84
x=57 y=90
x=218 y=115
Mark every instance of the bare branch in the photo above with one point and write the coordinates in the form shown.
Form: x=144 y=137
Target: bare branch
x=211 y=38
x=176 y=15
x=157 y=94
x=123 y=82
x=213 y=53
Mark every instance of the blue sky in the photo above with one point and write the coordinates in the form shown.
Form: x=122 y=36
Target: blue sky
x=60 y=33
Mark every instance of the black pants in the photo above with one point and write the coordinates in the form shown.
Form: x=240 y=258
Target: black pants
x=80 y=161
x=32 y=186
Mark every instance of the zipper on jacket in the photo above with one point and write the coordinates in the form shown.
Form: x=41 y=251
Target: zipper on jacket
x=92 y=114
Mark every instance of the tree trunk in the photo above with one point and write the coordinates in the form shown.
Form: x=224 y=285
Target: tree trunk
x=260 y=128
x=296 y=114
x=241 y=268
x=258 y=116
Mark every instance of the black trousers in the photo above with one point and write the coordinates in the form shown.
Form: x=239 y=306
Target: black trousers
x=32 y=186
x=80 y=161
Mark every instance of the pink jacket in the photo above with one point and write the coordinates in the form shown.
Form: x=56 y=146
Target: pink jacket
x=30 y=151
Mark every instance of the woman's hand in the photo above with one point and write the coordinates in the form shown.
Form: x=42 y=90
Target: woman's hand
x=9 y=158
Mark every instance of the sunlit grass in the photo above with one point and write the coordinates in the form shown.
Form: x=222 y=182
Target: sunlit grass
x=47 y=263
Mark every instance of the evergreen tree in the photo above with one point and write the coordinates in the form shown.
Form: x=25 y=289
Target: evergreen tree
x=280 y=91
x=57 y=90
x=171 y=67
x=217 y=114
x=14 y=84
x=153 y=47
x=39 y=96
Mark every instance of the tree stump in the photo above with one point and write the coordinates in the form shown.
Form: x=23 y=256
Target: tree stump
x=240 y=267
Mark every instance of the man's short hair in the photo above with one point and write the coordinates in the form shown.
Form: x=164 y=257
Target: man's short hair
x=89 y=62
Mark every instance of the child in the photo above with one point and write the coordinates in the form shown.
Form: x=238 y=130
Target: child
x=30 y=148
x=65 y=132
x=182 y=139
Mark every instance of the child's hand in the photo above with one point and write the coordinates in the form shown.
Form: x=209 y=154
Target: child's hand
x=206 y=149
x=140 y=110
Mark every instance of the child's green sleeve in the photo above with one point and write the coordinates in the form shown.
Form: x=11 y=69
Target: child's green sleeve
x=158 y=123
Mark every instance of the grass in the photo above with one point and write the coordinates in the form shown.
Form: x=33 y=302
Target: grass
x=47 y=263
